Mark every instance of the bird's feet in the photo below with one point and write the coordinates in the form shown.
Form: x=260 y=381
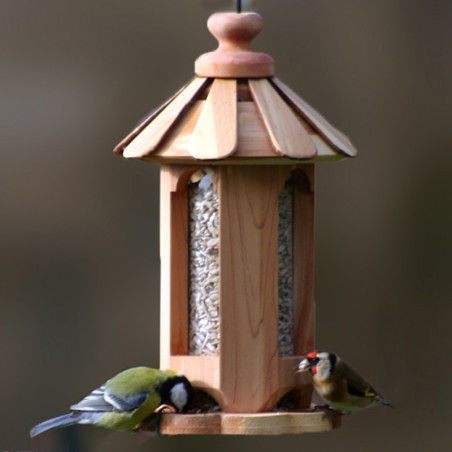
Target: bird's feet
x=152 y=422
x=330 y=413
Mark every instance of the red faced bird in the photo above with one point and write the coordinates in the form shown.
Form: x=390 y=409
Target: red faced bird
x=338 y=384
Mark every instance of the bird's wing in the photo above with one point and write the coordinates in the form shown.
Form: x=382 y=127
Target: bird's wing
x=125 y=403
x=362 y=388
x=357 y=385
x=94 y=401
x=355 y=388
x=103 y=400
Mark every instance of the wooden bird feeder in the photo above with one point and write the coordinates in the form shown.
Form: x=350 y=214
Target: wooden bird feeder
x=237 y=149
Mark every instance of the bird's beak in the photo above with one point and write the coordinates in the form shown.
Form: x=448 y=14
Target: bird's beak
x=303 y=366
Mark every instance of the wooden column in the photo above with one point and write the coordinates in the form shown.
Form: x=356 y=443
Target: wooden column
x=174 y=262
x=247 y=375
x=303 y=260
x=303 y=266
x=249 y=287
x=202 y=371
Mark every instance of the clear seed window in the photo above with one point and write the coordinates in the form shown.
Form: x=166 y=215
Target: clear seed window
x=285 y=270
x=204 y=266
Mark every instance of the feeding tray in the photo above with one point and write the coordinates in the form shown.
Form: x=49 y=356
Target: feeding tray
x=237 y=149
x=270 y=423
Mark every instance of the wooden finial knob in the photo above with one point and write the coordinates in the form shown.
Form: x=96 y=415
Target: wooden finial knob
x=235 y=31
x=234 y=57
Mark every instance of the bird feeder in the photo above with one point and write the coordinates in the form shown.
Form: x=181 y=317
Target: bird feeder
x=237 y=149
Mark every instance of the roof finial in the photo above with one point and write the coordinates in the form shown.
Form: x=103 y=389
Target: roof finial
x=234 y=57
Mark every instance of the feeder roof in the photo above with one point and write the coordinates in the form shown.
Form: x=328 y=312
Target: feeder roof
x=235 y=110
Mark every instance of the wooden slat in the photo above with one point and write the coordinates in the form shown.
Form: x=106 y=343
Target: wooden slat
x=249 y=287
x=215 y=135
x=325 y=150
x=274 y=423
x=176 y=144
x=174 y=262
x=303 y=260
x=153 y=134
x=287 y=134
x=190 y=424
x=128 y=139
x=325 y=129
x=253 y=139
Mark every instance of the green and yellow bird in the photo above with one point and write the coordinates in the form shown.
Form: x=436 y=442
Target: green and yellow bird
x=125 y=401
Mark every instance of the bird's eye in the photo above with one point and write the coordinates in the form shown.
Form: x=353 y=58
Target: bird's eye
x=314 y=361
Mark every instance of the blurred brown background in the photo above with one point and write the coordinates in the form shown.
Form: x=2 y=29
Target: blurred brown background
x=79 y=228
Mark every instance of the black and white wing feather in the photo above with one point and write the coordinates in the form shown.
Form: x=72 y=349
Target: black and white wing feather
x=101 y=400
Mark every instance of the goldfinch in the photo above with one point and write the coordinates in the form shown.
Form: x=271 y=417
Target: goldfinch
x=338 y=384
x=126 y=401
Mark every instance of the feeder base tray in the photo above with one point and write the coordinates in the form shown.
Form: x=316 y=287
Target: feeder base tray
x=270 y=423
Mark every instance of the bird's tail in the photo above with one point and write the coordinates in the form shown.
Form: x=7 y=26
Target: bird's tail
x=56 y=422
x=380 y=399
